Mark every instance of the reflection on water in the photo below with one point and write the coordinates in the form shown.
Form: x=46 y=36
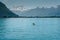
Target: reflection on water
x=23 y=29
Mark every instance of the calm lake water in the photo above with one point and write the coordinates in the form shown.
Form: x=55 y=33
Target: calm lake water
x=23 y=29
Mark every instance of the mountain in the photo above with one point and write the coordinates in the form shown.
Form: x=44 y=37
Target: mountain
x=42 y=12
x=37 y=12
x=5 y=12
x=58 y=10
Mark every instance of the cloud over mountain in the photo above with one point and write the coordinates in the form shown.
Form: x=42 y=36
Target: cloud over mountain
x=42 y=12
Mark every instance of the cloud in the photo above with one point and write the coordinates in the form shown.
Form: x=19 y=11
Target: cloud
x=18 y=8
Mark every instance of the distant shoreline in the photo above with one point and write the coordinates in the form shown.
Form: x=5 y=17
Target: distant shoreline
x=29 y=16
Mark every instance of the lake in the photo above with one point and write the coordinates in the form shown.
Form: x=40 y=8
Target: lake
x=23 y=29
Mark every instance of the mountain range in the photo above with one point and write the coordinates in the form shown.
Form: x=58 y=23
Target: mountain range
x=40 y=12
x=5 y=12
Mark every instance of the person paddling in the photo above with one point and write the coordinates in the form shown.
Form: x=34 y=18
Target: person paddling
x=33 y=24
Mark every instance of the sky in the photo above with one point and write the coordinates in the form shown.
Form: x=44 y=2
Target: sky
x=30 y=3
